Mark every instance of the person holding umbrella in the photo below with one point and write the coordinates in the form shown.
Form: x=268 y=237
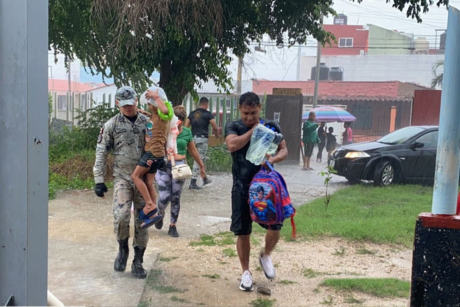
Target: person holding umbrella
x=310 y=138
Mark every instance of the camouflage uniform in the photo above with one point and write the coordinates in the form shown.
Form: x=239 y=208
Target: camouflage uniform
x=201 y=144
x=127 y=142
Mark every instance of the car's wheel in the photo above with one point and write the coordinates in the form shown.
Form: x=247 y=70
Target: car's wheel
x=384 y=174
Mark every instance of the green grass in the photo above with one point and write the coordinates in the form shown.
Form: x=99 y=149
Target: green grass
x=224 y=238
x=310 y=273
x=341 y=251
x=214 y=276
x=364 y=251
x=180 y=300
x=205 y=240
x=229 y=252
x=262 y=302
x=143 y=304
x=328 y=301
x=59 y=183
x=352 y=300
x=154 y=282
x=365 y=213
x=167 y=259
x=379 y=287
x=287 y=282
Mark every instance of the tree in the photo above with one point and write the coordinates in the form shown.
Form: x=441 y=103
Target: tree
x=437 y=80
x=187 y=41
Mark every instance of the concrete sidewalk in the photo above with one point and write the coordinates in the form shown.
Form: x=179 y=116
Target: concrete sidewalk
x=82 y=246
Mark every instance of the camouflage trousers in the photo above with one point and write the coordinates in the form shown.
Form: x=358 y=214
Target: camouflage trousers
x=169 y=190
x=124 y=194
x=202 y=147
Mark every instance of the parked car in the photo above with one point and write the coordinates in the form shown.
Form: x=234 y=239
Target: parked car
x=406 y=155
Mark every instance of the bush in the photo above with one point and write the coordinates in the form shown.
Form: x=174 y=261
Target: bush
x=72 y=152
x=219 y=159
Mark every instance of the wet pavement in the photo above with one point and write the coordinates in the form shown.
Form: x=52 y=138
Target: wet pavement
x=82 y=246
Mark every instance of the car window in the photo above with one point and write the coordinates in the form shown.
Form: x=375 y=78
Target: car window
x=400 y=136
x=430 y=139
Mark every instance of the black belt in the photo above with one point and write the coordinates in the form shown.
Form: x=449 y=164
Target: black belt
x=200 y=136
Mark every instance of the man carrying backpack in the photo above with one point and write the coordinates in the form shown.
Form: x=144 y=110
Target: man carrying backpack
x=237 y=137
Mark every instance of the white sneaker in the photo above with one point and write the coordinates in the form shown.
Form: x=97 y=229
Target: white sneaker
x=246 y=281
x=267 y=265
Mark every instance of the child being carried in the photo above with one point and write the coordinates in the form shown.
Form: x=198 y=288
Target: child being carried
x=160 y=114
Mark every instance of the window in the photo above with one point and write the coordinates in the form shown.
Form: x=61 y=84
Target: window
x=62 y=102
x=83 y=102
x=345 y=42
x=363 y=116
x=430 y=140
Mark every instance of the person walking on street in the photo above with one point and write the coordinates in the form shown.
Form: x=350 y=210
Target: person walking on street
x=309 y=138
x=237 y=137
x=170 y=189
x=200 y=120
x=331 y=143
x=322 y=141
x=347 y=136
x=124 y=135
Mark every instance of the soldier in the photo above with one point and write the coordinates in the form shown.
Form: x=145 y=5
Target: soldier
x=200 y=120
x=125 y=135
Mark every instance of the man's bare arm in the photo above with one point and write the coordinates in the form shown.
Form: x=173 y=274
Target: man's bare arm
x=235 y=142
x=187 y=123
x=281 y=154
x=214 y=127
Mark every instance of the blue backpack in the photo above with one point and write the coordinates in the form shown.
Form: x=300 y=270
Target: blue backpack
x=269 y=200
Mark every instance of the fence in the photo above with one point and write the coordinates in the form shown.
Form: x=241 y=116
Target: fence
x=65 y=106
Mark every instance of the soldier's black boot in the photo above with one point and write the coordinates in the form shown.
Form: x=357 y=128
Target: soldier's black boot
x=122 y=257
x=193 y=185
x=136 y=268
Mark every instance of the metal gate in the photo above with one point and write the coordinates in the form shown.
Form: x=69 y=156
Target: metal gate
x=287 y=111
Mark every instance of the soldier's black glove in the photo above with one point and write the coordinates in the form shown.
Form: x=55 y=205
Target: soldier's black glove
x=100 y=189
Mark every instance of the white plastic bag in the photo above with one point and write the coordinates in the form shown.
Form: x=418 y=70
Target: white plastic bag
x=173 y=132
x=261 y=139
x=161 y=93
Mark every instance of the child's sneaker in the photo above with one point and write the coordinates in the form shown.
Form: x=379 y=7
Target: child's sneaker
x=246 y=281
x=267 y=265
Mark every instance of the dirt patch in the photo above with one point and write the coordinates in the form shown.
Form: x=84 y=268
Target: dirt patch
x=81 y=167
x=209 y=275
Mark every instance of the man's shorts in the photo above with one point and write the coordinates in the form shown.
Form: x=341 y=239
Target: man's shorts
x=308 y=149
x=157 y=163
x=241 y=216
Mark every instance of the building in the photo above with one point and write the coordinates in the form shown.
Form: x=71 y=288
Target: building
x=415 y=68
x=389 y=42
x=379 y=107
x=351 y=40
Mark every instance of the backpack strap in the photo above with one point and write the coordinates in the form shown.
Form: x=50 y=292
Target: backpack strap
x=293 y=226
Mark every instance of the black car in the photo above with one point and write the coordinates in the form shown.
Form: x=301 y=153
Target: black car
x=406 y=155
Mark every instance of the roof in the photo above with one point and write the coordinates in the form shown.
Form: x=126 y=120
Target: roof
x=58 y=85
x=345 y=90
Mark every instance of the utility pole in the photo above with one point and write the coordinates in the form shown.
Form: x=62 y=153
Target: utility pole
x=299 y=62
x=318 y=62
x=240 y=75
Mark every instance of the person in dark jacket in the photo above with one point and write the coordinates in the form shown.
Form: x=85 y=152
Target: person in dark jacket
x=321 y=132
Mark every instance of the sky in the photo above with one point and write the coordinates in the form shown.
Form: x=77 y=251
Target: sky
x=282 y=64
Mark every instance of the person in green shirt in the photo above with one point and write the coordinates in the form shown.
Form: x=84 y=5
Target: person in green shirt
x=309 y=138
x=169 y=188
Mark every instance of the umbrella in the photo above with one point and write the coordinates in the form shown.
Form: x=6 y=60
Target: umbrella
x=330 y=114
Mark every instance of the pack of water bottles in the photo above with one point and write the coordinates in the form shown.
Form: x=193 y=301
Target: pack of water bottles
x=264 y=140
